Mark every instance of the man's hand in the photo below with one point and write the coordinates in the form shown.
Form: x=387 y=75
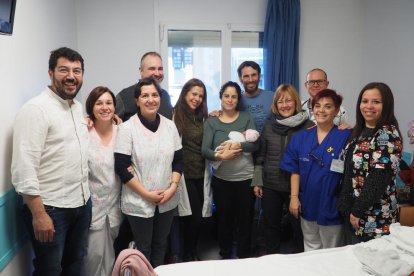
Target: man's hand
x=89 y=123
x=117 y=120
x=344 y=126
x=43 y=227
x=215 y=113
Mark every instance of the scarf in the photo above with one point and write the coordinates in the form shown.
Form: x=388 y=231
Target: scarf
x=282 y=125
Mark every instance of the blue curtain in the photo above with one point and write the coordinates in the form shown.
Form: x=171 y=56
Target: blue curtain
x=281 y=43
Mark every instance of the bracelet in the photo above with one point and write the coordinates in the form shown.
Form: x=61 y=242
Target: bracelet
x=293 y=195
x=176 y=182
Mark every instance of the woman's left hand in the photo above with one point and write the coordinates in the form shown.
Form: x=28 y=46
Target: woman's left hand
x=231 y=145
x=168 y=193
x=354 y=221
x=229 y=154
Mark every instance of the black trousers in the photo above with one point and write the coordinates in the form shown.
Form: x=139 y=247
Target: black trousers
x=124 y=237
x=234 y=201
x=272 y=206
x=191 y=224
x=151 y=235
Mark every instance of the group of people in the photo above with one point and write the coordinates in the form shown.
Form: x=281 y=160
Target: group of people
x=91 y=188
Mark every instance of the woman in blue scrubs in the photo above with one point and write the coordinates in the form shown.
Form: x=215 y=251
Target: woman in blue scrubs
x=313 y=157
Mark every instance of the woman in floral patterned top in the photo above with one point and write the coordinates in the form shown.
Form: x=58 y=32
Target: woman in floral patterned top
x=369 y=198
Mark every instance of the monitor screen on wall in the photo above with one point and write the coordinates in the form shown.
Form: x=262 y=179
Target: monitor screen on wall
x=7 y=8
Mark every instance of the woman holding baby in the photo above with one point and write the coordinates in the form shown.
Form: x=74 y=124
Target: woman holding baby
x=231 y=181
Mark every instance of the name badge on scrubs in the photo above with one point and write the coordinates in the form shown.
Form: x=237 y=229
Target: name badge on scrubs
x=337 y=165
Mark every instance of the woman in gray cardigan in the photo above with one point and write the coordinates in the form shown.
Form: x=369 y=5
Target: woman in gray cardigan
x=231 y=181
x=270 y=183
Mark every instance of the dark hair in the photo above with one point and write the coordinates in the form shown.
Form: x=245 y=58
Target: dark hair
x=64 y=52
x=328 y=93
x=181 y=105
x=235 y=86
x=148 y=54
x=95 y=94
x=387 y=115
x=146 y=82
x=248 y=63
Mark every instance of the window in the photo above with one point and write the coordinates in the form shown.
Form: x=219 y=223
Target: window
x=246 y=46
x=194 y=54
x=210 y=54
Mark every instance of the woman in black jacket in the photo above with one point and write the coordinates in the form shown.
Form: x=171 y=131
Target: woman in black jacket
x=270 y=183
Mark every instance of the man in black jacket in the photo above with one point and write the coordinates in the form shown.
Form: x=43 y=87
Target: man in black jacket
x=151 y=66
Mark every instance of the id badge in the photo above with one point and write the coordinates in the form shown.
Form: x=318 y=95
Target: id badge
x=337 y=165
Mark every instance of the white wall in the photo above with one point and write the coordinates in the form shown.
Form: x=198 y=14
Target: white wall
x=214 y=11
x=388 y=54
x=358 y=42
x=331 y=39
x=112 y=36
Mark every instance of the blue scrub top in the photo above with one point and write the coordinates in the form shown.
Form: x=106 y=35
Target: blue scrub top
x=319 y=186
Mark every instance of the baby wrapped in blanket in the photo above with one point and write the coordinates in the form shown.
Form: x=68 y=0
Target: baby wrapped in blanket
x=250 y=135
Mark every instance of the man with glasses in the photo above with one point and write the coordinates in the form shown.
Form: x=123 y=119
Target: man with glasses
x=316 y=81
x=50 y=169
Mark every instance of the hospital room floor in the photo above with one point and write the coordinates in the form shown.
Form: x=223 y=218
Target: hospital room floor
x=208 y=245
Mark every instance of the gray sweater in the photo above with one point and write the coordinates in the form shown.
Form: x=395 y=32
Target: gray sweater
x=215 y=133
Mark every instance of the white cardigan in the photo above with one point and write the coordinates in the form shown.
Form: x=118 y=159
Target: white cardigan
x=184 y=208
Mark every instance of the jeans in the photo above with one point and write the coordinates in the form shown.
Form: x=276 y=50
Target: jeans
x=64 y=255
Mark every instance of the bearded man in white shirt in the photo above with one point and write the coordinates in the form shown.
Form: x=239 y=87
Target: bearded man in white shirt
x=50 y=168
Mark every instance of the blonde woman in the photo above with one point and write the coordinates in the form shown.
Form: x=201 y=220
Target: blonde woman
x=272 y=184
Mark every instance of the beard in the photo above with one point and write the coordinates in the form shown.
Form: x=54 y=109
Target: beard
x=251 y=89
x=64 y=92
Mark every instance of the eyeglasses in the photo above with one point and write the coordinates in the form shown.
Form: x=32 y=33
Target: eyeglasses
x=313 y=157
x=63 y=70
x=287 y=102
x=314 y=82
